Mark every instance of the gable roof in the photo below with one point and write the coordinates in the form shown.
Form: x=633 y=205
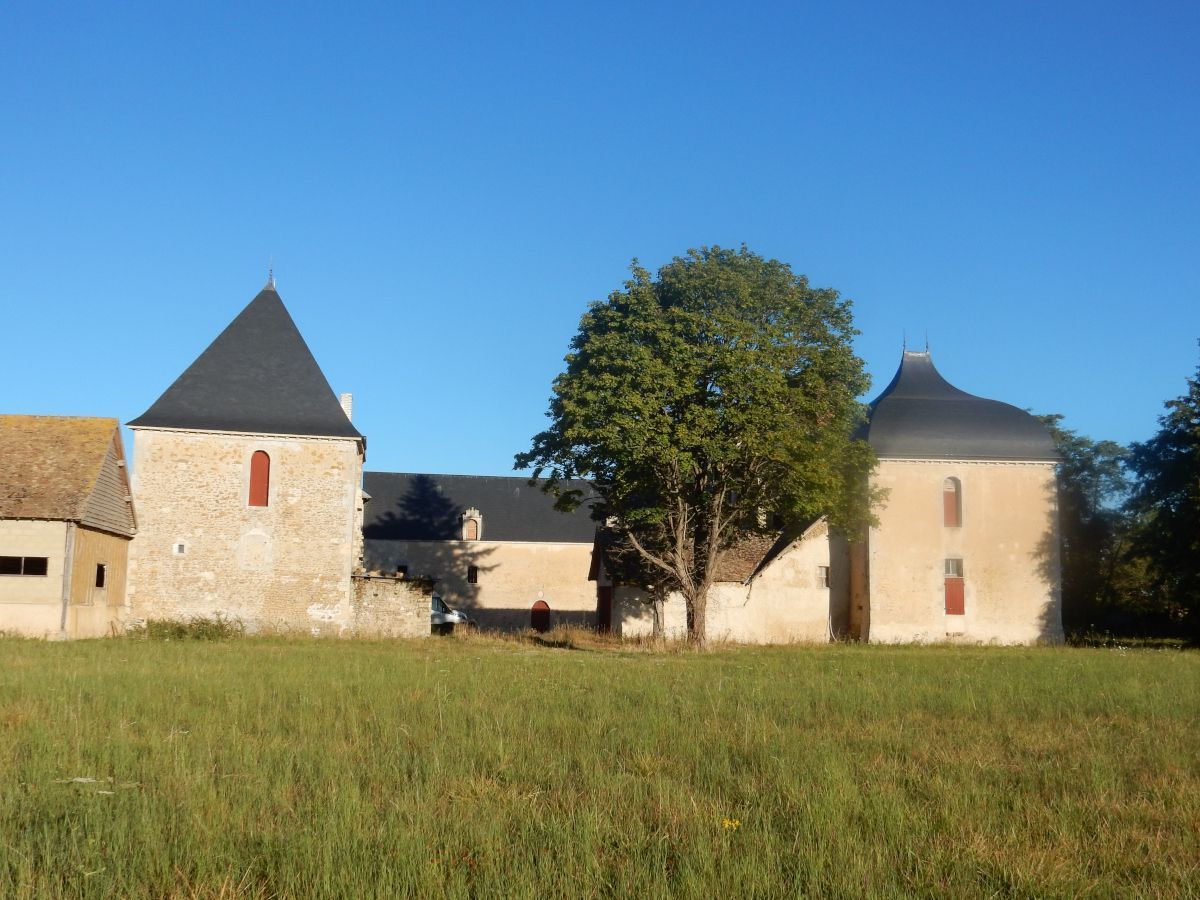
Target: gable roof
x=408 y=506
x=64 y=468
x=920 y=415
x=258 y=376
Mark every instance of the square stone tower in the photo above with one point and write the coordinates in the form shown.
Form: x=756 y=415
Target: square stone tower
x=966 y=547
x=247 y=480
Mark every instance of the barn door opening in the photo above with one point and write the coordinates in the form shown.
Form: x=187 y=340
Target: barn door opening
x=604 y=601
x=539 y=616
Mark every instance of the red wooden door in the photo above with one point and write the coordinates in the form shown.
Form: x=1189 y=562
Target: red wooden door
x=539 y=616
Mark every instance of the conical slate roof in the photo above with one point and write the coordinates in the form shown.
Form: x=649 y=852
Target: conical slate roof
x=920 y=415
x=259 y=377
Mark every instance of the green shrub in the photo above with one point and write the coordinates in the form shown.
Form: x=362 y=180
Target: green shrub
x=216 y=627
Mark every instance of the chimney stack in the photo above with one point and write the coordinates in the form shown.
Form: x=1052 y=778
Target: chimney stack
x=347 y=401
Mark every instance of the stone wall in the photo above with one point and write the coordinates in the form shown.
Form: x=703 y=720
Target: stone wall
x=511 y=576
x=1007 y=540
x=388 y=607
x=784 y=603
x=201 y=549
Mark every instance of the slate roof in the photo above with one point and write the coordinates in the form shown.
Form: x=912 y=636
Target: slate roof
x=64 y=468
x=259 y=377
x=920 y=415
x=414 y=507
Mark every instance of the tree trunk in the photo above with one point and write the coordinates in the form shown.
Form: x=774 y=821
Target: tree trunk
x=697 y=619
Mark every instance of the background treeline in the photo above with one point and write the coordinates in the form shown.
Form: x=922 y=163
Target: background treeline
x=1130 y=522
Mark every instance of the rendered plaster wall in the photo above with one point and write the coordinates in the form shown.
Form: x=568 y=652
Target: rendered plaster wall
x=388 y=608
x=785 y=603
x=31 y=605
x=512 y=577
x=1008 y=541
x=283 y=566
x=633 y=614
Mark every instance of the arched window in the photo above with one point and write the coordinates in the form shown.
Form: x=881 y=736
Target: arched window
x=952 y=503
x=471 y=530
x=260 y=478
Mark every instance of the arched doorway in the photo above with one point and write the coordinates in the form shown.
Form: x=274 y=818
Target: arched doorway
x=539 y=616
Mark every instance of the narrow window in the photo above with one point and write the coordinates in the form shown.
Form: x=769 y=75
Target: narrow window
x=952 y=503
x=822 y=576
x=101 y=574
x=260 y=478
x=471 y=530
x=180 y=549
x=955 y=592
x=472 y=574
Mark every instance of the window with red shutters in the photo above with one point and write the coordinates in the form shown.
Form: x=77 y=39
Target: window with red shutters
x=260 y=478
x=955 y=588
x=952 y=503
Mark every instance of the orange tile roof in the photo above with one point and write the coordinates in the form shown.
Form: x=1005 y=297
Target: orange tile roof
x=49 y=464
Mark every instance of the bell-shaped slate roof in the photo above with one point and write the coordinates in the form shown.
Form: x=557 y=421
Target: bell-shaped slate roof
x=920 y=415
x=259 y=377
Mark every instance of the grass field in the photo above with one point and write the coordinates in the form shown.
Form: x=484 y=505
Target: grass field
x=483 y=767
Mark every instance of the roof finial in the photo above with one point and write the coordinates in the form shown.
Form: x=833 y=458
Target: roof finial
x=903 y=340
x=270 y=273
x=926 y=340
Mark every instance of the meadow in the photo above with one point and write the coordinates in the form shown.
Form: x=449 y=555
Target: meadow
x=482 y=767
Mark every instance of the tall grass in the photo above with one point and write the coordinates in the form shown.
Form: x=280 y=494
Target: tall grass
x=479 y=767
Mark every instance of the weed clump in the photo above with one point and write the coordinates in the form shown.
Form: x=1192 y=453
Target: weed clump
x=216 y=627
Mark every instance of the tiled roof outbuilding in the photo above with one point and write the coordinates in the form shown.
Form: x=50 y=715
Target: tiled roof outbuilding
x=65 y=468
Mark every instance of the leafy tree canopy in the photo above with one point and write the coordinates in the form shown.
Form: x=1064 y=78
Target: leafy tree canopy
x=1167 y=501
x=716 y=397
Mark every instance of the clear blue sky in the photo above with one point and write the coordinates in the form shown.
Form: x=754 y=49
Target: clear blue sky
x=444 y=187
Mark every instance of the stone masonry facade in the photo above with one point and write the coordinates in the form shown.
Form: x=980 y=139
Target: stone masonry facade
x=202 y=549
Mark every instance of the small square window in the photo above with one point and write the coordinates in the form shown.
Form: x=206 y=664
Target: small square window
x=472 y=574
x=954 y=568
x=10 y=565
x=36 y=565
x=402 y=571
x=180 y=549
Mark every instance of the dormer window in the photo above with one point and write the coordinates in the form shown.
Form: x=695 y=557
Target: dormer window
x=472 y=525
x=952 y=503
x=260 y=478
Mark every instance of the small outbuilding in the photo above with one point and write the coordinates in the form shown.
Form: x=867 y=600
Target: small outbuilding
x=66 y=520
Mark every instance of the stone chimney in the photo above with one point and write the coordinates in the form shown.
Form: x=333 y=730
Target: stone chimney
x=347 y=401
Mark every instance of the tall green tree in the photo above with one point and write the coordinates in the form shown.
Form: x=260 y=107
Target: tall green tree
x=1093 y=524
x=1166 y=499
x=715 y=398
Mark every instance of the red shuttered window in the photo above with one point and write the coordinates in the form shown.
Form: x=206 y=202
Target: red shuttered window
x=952 y=503
x=955 y=588
x=260 y=478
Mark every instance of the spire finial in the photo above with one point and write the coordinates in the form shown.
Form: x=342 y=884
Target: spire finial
x=270 y=274
x=903 y=341
x=926 y=340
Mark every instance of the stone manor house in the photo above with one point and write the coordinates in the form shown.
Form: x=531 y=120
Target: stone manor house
x=248 y=499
